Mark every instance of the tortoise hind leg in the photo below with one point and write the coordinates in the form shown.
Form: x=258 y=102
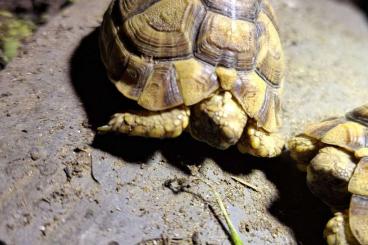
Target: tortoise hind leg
x=258 y=142
x=161 y=124
x=218 y=121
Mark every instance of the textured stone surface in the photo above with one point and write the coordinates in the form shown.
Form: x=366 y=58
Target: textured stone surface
x=55 y=94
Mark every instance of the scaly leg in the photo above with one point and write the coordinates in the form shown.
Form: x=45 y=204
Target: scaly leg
x=219 y=121
x=162 y=124
x=302 y=149
x=328 y=176
x=337 y=231
x=258 y=142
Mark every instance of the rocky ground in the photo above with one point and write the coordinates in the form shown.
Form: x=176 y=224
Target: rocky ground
x=62 y=183
x=37 y=10
x=19 y=19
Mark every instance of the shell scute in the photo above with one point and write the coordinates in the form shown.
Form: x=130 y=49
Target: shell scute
x=196 y=80
x=133 y=79
x=235 y=9
x=358 y=218
x=227 y=42
x=319 y=129
x=259 y=100
x=129 y=8
x=359 y=114
x=166 y=29
x=113 y=54
x=270 y=60
x=269 y=11
x=359 y=181
x=161 y=90
x=340 y=132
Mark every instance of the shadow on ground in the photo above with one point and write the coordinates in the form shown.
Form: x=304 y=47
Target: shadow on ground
x=360 y=4
x=296 y=207
x=363 y=5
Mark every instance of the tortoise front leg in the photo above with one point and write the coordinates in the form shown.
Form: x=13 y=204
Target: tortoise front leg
x=328 y=176
x=161 y=124
x=302 y=149
x=338 y=232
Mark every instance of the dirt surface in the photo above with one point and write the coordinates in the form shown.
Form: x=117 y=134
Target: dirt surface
x=63 y=184
x=19 y=19
x=37 y=10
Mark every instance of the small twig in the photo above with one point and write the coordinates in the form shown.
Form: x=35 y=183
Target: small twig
x=92 y=174
x=67 y=173
x=233 y=233
x=91 y=164
x=245 y=183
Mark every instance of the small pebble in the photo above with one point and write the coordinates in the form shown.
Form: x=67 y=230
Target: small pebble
x=35 y=154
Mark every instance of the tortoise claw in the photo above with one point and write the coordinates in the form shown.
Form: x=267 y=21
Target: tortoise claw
x=104 y=129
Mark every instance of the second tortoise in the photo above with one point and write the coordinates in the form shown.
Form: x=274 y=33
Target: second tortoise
x=334 y=153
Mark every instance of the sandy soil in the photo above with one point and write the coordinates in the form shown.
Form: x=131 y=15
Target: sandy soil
x=63 y=184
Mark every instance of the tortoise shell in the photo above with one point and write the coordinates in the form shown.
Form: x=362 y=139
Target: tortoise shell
x=349 y=132
x=166 y=53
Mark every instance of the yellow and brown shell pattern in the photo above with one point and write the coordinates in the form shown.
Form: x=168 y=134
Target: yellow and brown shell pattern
x=350 y=133
x=148 y=46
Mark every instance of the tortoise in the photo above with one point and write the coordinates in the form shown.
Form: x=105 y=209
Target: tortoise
x=334 y=153
x=212 y=67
